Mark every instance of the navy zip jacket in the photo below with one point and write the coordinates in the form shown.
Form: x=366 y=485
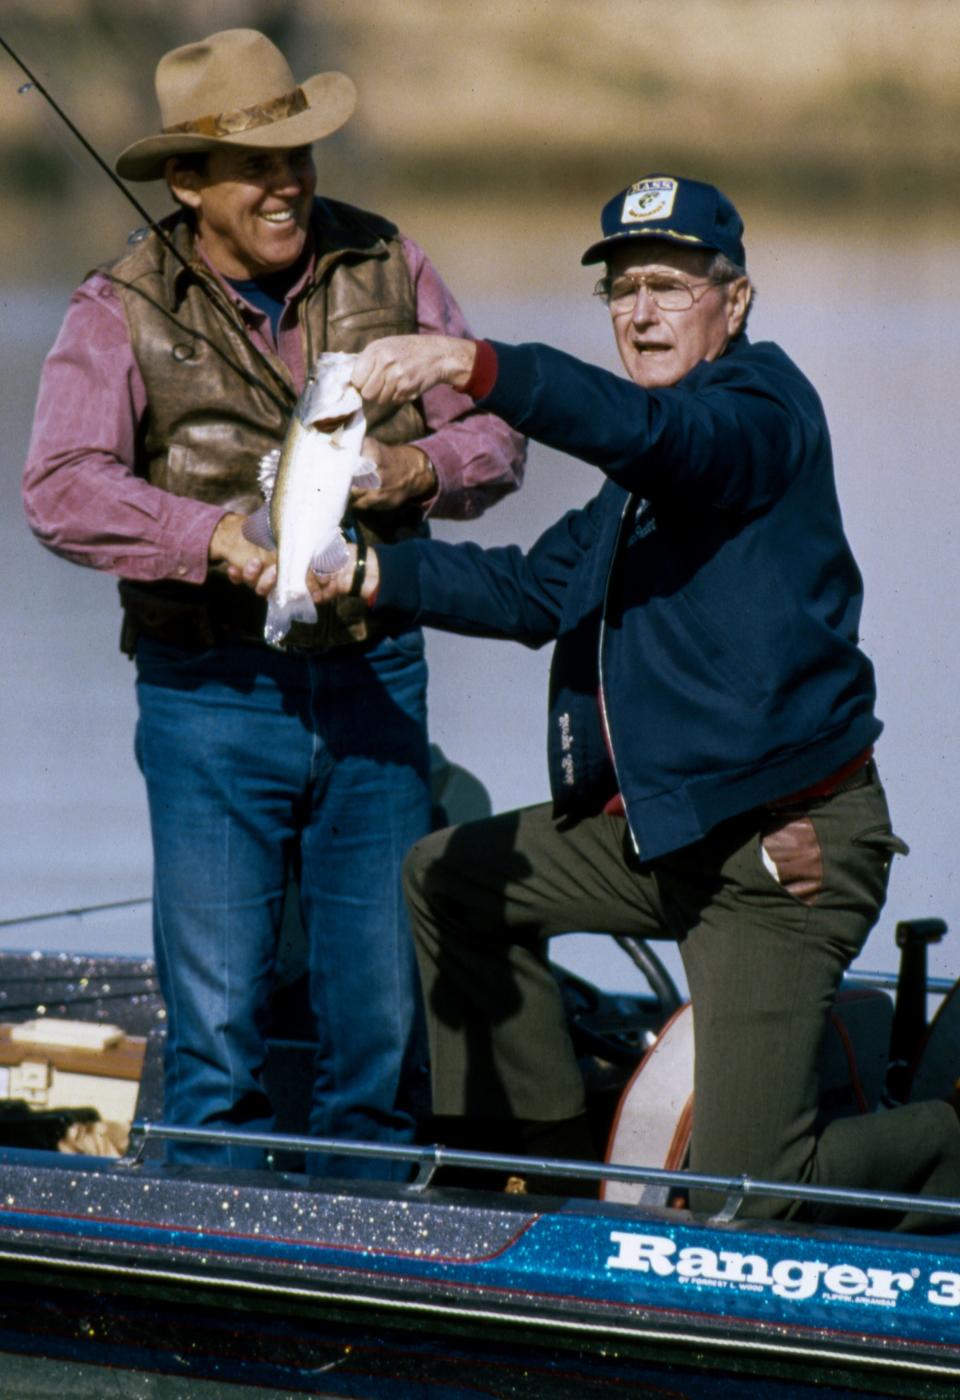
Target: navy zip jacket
x=706 y=596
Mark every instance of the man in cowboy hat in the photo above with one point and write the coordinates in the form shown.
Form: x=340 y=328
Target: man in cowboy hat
x=711 y=720
x=174 y=372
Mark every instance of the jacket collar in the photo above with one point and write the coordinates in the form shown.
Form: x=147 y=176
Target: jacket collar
x=334 y=234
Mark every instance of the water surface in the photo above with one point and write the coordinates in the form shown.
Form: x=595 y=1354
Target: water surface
x=870 y=319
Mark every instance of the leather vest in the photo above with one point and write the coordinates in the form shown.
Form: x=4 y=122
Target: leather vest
x=216 y=405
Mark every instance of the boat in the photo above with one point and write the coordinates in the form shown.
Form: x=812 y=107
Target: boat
x=292 y=1284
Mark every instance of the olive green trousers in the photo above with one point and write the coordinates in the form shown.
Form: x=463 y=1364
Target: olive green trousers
x=769 y=910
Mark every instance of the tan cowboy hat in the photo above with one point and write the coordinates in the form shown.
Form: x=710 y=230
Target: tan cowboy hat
x=235 y=89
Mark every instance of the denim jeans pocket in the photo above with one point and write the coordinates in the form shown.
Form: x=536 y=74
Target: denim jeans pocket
x=409 y=644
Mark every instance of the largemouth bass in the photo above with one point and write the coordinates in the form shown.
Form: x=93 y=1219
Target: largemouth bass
x=307 y=485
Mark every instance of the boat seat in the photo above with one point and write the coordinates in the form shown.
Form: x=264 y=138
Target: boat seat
x=934 y=1074
x=652 y=1124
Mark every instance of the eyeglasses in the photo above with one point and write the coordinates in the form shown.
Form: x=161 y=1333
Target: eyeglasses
x=669 y=294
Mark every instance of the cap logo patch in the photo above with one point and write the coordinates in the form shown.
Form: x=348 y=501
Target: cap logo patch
x=648 y=199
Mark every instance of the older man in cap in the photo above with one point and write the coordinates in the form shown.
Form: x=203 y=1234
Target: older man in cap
x=711 y=719
x=175 y=371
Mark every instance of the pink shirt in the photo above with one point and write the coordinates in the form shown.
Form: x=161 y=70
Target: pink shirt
x=82 y=495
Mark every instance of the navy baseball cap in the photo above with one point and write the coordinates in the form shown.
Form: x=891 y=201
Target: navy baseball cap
x=670 y=207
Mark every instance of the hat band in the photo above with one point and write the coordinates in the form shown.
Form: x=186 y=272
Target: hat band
x=243 y=118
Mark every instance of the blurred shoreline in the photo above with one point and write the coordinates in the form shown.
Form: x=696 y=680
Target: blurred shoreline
x=523 y=116
x=492 y=133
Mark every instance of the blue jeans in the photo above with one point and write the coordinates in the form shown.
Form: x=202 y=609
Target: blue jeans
x=255 y=759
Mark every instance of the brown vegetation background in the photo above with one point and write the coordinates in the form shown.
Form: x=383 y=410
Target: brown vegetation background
x=535 y=109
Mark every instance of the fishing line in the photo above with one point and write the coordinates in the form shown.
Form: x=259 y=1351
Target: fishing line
x=213 y=297
x=53 y=129
x=36 y=85
x=252 y=380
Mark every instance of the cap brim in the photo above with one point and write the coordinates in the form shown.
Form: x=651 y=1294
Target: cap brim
x=597 y=252
x=332 y=98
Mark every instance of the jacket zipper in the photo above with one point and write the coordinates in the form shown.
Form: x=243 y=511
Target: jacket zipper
x=630 y=502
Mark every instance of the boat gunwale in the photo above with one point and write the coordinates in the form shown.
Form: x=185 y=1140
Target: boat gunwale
x=640 y=1326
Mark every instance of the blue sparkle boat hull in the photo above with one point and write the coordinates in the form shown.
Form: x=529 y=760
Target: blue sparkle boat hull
x=540 y=1277
x=275 y=1279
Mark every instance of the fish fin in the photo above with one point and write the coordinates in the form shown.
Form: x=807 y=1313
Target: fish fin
x=365 y=477
x=267 y=471
x=256 y=528
x=331 y=557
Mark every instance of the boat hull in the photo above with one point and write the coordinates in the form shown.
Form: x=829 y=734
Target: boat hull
x=577 y=1277
x=277 y=1279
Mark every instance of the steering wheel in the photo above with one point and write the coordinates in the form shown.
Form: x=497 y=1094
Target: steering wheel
x=619 y=1027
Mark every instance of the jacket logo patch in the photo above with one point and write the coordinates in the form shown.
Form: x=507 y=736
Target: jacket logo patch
x=644 y=523
x=566 y=745
x=648 y=199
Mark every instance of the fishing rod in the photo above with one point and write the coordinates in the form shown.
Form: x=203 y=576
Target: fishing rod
x=213 y=297
x=73 y=913
x=38 y=86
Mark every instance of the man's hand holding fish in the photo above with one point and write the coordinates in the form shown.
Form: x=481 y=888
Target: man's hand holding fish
x=233 y=553
x=400 y=368
x=406 y=474
x=326 y=588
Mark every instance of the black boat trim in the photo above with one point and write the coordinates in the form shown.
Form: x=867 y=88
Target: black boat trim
x=715 y=1340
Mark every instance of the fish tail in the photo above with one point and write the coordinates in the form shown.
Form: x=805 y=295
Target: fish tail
x=282 y=616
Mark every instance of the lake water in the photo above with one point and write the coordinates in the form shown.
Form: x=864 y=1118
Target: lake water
x=871 y=319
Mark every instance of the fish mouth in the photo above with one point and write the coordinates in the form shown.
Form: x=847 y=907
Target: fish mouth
x=330 y=425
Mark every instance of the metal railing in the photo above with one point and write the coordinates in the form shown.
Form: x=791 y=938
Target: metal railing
x=889 y=981
x=429 y=1159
